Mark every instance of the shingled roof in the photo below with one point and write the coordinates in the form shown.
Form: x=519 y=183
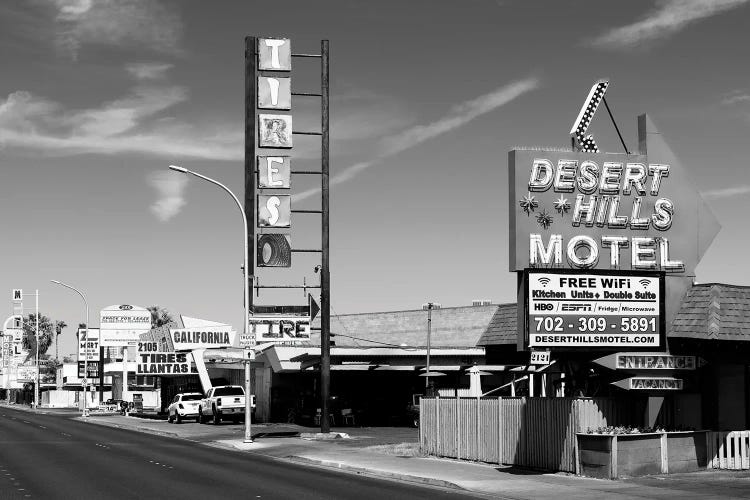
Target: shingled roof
x=502 y=328
x=714 y=311
x=451 y=327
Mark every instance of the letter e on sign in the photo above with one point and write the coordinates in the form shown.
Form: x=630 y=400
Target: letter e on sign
x=274 y=172
x=274 y=54
x=17 y=294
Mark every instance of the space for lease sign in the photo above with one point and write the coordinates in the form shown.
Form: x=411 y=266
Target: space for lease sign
x=593 y=310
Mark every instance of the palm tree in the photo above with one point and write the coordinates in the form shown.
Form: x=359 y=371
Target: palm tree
x=59 y=325
x=159 y=316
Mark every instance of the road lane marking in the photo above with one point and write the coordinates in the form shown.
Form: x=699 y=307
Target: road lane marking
x=42 y=427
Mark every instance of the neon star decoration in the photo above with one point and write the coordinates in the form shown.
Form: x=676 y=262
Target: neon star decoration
x=544 y=219
x=528 y=203
x=562 y=205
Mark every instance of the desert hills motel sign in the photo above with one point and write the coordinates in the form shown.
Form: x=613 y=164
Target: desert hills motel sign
x=593 y=236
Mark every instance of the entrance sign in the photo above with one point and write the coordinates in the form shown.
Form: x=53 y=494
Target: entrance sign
x=594 y=309
x=187 y=339
x=122 y=325
x=650 y=384
x=88 y=348
x=648 y=361
x=280 y=328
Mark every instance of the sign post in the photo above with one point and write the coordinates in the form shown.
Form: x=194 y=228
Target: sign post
x=121 y=325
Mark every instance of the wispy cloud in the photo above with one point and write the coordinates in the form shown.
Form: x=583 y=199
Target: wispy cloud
x=124 y=23
x=170 y=189
x=727 y=192
x=148 y=71
x=455 y=118
x=135 y=123
x=736 y=97
x=666 y=19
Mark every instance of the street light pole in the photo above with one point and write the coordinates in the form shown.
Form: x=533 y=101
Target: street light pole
x=429 y=335
x=85 y=349
x=246 y=289
x=38 y=379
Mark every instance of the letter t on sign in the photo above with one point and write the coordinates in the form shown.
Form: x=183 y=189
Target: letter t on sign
x=274 y=54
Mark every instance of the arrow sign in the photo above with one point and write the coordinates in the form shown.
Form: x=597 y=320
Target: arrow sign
x=650 y=384
x=647 y=361
x=581 y=125
x=313 y=306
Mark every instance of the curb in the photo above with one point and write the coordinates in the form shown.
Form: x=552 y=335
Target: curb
x=138 y=429
x=377 y=473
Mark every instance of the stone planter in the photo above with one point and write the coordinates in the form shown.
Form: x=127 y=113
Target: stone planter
x=609 y=456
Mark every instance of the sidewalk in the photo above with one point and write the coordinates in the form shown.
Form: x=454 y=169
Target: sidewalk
x=286 y=442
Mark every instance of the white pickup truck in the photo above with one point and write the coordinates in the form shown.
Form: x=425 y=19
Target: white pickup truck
x=221 y=402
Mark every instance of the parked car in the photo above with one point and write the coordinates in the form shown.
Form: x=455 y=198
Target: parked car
x=223 y=401
x=184 y=405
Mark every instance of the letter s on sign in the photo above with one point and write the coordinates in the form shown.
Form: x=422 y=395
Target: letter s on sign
x=273 y=208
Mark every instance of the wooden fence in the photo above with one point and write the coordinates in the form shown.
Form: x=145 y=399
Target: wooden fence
x=728 y=450
x=529 y=432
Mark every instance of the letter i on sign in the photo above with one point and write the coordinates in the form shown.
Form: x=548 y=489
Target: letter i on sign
x=274 y=93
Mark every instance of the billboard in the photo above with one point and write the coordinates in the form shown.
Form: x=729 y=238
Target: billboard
x=88 y=344
x=594 y=309
x=122 y=324
x=605 y=211
x=26 y=373
x=92 y=367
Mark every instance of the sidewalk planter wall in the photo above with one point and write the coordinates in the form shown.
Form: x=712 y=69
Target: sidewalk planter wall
x=609 y=456
x=538 y=433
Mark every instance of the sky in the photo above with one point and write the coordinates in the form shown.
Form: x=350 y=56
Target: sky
x=98 y=98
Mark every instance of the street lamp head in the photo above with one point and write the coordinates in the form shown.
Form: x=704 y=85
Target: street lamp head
x=178 y=169
x=55 y=281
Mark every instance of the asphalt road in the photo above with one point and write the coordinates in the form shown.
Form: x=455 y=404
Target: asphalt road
x=55 y=457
